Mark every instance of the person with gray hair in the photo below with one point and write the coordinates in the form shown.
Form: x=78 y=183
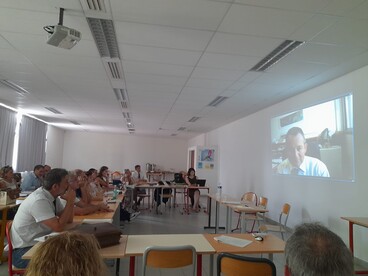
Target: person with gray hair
x=314 y=250
x=41 y=213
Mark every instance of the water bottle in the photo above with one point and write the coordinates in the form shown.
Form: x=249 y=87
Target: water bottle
x=116 y=192
x=219 y=191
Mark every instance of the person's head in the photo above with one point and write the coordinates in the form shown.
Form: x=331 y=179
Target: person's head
x=91 y=174
x=316 y=251
x=137 y=168
x=56 y=182
x=7 y=173
x=17 y=177
x=46 y=169
x=191 y=172
x=296 y=146
x=73 y=179
x=67 y=254
x=104 y=171
x=39 y=171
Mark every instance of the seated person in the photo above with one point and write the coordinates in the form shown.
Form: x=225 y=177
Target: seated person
x=9 y=185
x=297 y=162
x=138 y=179
x=67 y=254
x=95 y=189
x=193 y=194
x=314 y=250
x=158 y=191
x=102 y=178
x=42 y=213
x=33 y=180
x=83 y=204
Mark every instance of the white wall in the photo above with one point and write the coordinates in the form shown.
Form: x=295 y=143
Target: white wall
x=54 y=146
x=85 y=149
x=246 y=166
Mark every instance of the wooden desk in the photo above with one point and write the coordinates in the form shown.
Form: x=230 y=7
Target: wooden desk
x=112 y=252
x=137 y=244
x=270 y=244
x=112 y=217
x=4 y=212
x=361 y=221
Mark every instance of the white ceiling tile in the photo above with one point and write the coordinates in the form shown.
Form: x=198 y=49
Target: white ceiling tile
x=209 y=83
x=296 y=5
x=242 y=44
x=156 y=79
x=193 y=14
x=348 y=32
x=162 y=55
x=230 y=62
x=157 y=68
x=359 y=12
x=219 y=74
x=340 y=7
x=250 y=20
x=162 y=36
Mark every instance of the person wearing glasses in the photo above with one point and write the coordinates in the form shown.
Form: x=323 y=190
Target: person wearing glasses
x=9 y=185
x=42 y=213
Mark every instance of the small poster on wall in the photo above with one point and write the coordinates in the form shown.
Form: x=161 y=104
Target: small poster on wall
x=206 y=159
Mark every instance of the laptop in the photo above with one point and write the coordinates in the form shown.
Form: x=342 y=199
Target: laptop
x=201 y=182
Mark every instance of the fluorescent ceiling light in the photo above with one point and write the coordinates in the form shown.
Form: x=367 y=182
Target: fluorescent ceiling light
x=15 y=87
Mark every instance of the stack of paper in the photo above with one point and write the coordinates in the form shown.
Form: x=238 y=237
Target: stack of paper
x=232 y=241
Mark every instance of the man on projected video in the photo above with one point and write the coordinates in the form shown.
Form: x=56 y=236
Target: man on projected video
x=297 y=162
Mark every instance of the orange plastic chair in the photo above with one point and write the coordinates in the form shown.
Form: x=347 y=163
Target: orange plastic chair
x=258 y=216
x=235 y=265
x=248 y=197
x=12 y=270
x=281 y=226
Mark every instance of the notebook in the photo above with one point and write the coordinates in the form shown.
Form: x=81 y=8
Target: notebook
x=201 y=182
x=232 y=241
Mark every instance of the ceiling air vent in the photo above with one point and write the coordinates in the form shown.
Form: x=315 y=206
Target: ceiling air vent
x=193 y=119
x=113 y=69
x=126 y=115
x=217 y=101
x=181 y=128
x=277 y=54
x=20 y=90
x=96 y=5
x=130 y=125
x=53 y=110
x=120 y=94
x=75 y=123
x=103 y=32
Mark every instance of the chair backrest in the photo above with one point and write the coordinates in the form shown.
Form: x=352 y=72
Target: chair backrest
x=234 y=265
x=10 y=251
x=250 y=196
x=284 y=215
x=169 y=257
x=263 y=201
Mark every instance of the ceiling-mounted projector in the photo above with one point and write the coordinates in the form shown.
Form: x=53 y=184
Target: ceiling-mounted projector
x=62 y=36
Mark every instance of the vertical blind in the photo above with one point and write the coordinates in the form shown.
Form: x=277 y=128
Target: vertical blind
x=32 y=143
x=8 y=122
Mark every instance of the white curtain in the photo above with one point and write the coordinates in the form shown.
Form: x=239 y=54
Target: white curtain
x=8 y=122
x=32 y=143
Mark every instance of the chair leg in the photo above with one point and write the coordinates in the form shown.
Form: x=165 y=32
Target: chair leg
x=237 y=225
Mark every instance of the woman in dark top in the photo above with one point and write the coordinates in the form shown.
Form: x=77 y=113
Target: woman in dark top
x=103 y=177
x=191 y=180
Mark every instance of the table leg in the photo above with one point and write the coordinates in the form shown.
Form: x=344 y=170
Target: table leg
x=243 y=223
x=117 y=269
x=2 y=234
x=217 y=217
x=211 y=264
x=228 y=219
x=199 y=264
x=131 y=266
x=351 y=237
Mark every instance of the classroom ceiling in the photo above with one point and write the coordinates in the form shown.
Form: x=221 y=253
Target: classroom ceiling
x=174 y=57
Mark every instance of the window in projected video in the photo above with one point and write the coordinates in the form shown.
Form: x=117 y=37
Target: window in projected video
x=315 y=141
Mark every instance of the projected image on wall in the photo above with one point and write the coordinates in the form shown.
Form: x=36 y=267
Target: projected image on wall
x=316 y=141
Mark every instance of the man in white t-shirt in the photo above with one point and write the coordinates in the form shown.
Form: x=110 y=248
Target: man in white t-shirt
x=42 y=213
x=138 y=179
